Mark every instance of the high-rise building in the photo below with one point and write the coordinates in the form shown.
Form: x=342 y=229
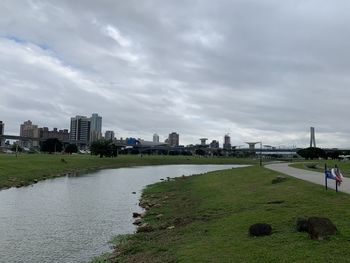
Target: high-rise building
x=109 y=135
x=2 y=131
x=28 y=130
x=2 y=128
x=95 y=127
x=173 y=139
x=80 y=129
x=227 y=142
x=155 y=138
x=214 y=144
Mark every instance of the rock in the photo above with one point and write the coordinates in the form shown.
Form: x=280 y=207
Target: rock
x=260 y=229
x=159 y=216
x=137 y=222
x=170 y=227
x=320 y=228
x=35 y=181
x=162 y=179
x=134 y=215
x=279 y=179
x=302 y=225
x=134 y=193
x=144 y=228
x=157 y=205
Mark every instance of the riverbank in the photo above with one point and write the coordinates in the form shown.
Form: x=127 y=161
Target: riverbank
x=206 y=219
x=31 y=168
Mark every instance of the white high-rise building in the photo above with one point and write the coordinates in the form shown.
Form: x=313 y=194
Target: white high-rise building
x=95 y=127
x=109 y=135
x=155 y=138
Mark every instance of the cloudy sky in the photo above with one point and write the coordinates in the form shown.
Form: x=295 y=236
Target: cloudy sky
x=256 y=69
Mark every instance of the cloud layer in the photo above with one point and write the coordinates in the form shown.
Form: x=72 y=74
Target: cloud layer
x=259 y=70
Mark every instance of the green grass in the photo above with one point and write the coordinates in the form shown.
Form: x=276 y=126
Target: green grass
x=27 y=168
x=212 y=214
x=344 y=166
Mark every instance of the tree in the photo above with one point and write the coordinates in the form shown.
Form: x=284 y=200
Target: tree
x=71 y=148
x=51 y=145
x=312 y=153
x=104 y=148
x=16 y=148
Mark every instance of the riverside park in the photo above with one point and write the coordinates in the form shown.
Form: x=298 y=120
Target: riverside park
x=206 y=217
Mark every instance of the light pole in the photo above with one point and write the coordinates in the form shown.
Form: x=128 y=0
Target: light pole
x=260 y=153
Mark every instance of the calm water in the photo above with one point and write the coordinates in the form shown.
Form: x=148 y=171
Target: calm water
x=71 y=219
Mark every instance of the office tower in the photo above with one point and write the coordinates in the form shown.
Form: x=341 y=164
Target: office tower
x=28 y=130
x=2 y=128
x=109 y=135
x=227 y=142
x=173 y=139
x=80 y=129
x=95 y=127
x=312 y=137
x=2 y=131
x=155 y=138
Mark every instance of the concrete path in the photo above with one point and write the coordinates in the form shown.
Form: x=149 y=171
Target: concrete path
x=310 y=176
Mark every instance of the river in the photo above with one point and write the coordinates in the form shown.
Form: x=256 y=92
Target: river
x=72 y=218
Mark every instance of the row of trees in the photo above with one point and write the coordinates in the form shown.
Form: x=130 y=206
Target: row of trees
x=316 y=153
x=55 y=145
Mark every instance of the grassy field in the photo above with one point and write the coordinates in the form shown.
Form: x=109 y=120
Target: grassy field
x=28 y=168
x=319 y=166
x=211 y=214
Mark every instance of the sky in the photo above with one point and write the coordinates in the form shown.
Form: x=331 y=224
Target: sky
x=260 y=70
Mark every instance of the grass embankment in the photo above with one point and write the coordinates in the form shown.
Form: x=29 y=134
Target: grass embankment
x=28 y=168
x=318 y=166
x=211 y=214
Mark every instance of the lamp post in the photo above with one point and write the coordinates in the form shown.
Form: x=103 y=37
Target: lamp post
x=260 y=153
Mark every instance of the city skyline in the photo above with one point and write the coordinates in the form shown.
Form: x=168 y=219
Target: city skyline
x=238 y=67
x=80 y=130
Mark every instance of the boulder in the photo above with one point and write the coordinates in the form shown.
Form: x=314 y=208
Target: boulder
x=320 y=228
x=134 y=215
x=145 y=228
x=260 y=229
x=170 y=227
x=138 y=222
x=302 y=225
x=279 y=179
x=159 y=216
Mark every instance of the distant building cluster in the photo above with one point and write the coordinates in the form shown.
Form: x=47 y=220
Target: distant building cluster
x=85 y=130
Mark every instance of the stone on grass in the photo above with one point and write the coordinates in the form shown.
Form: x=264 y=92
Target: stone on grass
x=134 y=215
x=145 y=228
x=159 y=216
x=302 y=224
x=320 y=227
x=279 y=179
x=170 y=227
x=260 y=229
x=138 y=222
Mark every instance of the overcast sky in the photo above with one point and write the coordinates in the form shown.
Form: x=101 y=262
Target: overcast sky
x=256 y=69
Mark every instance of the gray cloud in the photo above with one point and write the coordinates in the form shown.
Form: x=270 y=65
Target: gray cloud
x=259 y=70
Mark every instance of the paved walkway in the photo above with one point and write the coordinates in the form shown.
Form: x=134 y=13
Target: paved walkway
x=310 y=176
